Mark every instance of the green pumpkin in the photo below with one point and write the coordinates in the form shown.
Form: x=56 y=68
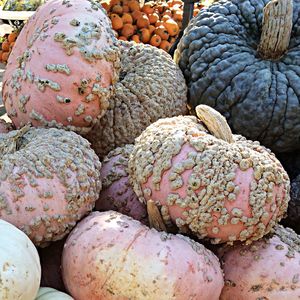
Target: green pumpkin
x=22 y=5
x=219 y=57
x=51 y=294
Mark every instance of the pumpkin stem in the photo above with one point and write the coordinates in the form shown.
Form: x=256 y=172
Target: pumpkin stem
x=214 y=122
x=10 y=144
x=154 y=216
x=276 y=29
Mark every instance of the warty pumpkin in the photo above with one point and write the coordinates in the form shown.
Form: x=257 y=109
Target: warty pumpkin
x=246 y=65
x=62 y=68
x=207 y=181
x=151 y=86
x=49 y=180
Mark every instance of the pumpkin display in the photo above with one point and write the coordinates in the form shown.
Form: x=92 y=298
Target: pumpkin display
x=46 y=293
x=268 y=269
x=20 y=264
x=151 y=86
x=62 y=68
x=7 y=43
x=49 y=180
x=246 y=65
x=111 y=256
x=209 y=182
x=50 y=258
x=117 y=193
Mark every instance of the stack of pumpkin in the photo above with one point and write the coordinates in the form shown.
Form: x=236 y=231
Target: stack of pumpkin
x=7 y=43
x=167 y=183
x=156 y=22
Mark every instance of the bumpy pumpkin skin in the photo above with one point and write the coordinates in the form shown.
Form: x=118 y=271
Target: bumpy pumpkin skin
x=49 y=180
x=151 y=87
x=268 y=269
x=62 y=68
x=117 y=193
x=113 y=257
x=20 y=264
x=223 y=191
x=259 y=98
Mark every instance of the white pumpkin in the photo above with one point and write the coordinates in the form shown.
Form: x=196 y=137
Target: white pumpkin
x=20 y=269
x=46 y=293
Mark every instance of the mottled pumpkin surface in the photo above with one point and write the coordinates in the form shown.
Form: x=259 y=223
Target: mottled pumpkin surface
x=151 y=86
x=219 y=59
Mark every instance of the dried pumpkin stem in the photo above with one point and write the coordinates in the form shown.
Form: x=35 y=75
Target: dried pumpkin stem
x=276 y=29
x=154 y=216
x=214 y=122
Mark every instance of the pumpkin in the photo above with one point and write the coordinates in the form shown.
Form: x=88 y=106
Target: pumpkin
x=210 y=183
x=241 y=58
x=151 y=86
x=111 y=256
x=20 y=264
x=46 y=293
x=49 y=180
x=62 y=68
x=268 y=269
x=50 y=258
x=117 y=193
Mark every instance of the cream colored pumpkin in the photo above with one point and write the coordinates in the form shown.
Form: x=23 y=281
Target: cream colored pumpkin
x=46 y=293
x=19 y=264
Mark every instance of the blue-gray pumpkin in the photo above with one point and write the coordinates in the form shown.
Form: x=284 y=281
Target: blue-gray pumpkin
x=259 y=95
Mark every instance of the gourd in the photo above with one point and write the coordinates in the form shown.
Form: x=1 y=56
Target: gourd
x=267 y=269
x=19 y=263
x=111 y=256
x=241 y=58
x=207 y=181
x=151 y=86
x=62 y=68
x=49 y=179
x=46 y=293
x=117 y=193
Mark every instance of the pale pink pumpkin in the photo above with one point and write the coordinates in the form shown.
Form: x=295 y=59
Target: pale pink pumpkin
x=111 y=256
x=117 y=193
x=224 y=188
x=62 y=68
x=49 y=180
x=267 y=269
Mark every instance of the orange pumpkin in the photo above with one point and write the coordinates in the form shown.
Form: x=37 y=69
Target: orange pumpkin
x=155 y=40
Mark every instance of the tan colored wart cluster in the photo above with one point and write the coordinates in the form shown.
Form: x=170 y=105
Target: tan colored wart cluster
x=151 y=86
x=223 y=190
x=49 y=179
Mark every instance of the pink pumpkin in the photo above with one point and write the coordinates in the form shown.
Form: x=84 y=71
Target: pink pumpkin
x=111 y=256
x=62 y=68
x=220 y=186
x=268 y=269
x=49 y=179
x=117 y=193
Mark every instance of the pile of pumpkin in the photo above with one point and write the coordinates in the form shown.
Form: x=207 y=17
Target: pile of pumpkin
x=7 y=42
x=109 y=189
x=156 y=22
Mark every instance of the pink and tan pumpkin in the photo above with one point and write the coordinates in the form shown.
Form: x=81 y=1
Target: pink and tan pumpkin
x=267 y=269
x=62 y=68
x=49 y=180
x=206 y=180
x=111 y=256
x=117 y=193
